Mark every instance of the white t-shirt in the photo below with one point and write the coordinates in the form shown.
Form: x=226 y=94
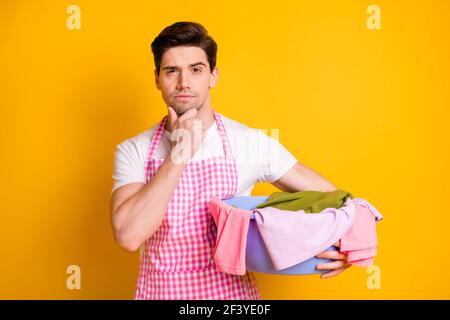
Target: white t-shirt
x=259 y=157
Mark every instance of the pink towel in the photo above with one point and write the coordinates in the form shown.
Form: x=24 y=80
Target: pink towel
x=360 y=242
x=232 y=228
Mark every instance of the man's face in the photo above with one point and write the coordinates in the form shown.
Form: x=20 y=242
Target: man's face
x=185 y=71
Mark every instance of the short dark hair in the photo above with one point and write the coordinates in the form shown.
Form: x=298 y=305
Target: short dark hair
x=184 y=33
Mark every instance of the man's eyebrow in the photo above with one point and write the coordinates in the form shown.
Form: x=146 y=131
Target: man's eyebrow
x=191 y=65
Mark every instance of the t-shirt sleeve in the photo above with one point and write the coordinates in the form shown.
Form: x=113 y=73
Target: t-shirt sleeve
x=276 y=160
x=128 y=165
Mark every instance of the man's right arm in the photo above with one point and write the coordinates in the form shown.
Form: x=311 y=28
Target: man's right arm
x=137 y=209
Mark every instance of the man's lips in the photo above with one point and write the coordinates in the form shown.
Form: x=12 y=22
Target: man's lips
x=183 y=97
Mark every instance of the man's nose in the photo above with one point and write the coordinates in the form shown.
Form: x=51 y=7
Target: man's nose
x=183 y=81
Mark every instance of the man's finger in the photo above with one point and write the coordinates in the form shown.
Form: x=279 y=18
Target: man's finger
x=331 y=265
x=194 y=122
x=334 y=272
x=333 y=254
x=172 y=116
x=331 y=273
x=192 y=112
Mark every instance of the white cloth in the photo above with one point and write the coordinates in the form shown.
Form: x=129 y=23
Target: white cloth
x=259 y=157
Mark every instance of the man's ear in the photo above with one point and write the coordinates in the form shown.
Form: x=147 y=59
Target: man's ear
x=214 y=78
x=157 y=80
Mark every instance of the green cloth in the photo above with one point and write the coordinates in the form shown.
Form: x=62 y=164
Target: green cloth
x=309 y=201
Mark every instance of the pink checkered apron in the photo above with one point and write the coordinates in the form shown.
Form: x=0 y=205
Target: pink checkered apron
x=177 y=261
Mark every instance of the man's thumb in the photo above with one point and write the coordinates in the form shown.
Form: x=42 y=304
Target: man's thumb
x=172 y=116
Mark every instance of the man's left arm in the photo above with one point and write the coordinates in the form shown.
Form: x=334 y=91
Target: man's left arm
x=302 y=178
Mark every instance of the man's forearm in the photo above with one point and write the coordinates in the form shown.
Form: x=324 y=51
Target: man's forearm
x=141 y=215
x=302 y=178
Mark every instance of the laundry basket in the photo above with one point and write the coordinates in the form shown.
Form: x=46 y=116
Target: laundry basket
x=257 y=258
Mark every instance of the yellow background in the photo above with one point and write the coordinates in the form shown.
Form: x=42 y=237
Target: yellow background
x=368 y=109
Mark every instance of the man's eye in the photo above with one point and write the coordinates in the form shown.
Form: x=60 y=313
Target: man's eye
x=197 y=69
x=170 y=71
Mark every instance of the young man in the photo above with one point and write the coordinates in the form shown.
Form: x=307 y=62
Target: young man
x=163 y=181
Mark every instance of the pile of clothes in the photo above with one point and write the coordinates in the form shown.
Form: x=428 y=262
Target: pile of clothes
x=296 y=227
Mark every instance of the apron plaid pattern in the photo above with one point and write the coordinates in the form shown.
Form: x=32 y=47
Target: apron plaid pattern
x=177 y=261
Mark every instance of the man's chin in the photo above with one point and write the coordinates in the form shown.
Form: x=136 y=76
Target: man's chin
x=180 y=110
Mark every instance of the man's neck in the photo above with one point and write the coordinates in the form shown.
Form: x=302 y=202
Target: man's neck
x=207 y=116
